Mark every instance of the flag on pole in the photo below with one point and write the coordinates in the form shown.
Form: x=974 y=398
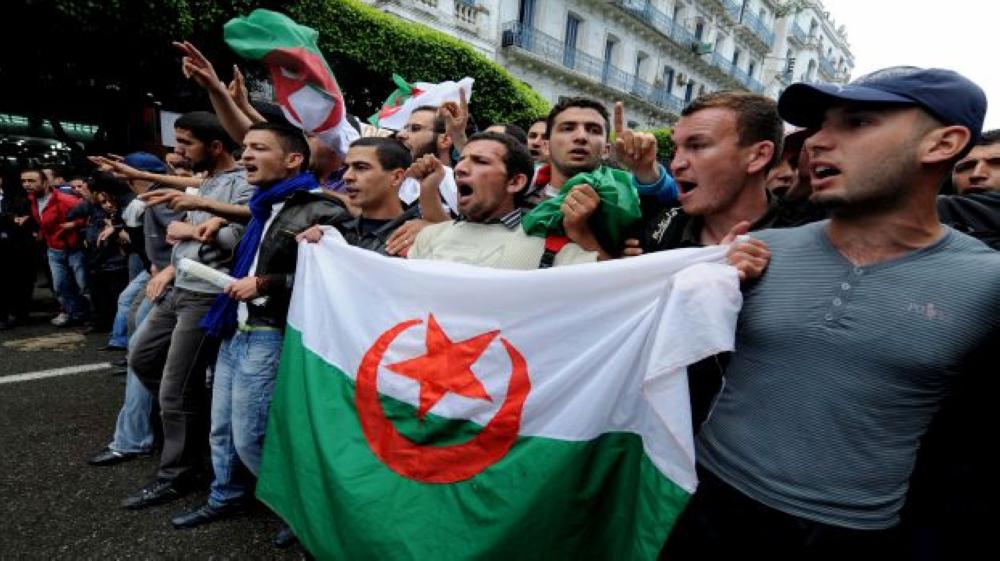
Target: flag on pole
x=304 y=85
x=432 y=410
x=407 y=97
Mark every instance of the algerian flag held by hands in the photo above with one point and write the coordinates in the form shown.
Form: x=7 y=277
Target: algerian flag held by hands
x=304 y=85
x=397 y=107
x=432 y=410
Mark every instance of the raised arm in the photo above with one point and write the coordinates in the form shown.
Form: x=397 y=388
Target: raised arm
x=196 y=67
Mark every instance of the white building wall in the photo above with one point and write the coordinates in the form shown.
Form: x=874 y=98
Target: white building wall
x=536 y=54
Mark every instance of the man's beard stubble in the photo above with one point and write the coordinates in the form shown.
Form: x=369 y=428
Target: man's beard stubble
x=884 y=188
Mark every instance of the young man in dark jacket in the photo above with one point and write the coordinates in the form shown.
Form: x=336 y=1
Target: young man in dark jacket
x=251 y=313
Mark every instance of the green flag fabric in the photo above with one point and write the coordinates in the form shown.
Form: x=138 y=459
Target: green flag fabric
x=619 y=206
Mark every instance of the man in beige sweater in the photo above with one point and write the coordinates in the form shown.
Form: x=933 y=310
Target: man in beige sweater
x=491 y=173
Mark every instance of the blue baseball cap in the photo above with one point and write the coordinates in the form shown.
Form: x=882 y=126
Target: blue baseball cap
x=146 y=162
x=945 y=94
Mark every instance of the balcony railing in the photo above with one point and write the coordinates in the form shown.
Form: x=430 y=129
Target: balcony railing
x=799 y=34
x=556 y=52
x=827 y=68
x=759 y=28
x=732 y=8
x=659 y=21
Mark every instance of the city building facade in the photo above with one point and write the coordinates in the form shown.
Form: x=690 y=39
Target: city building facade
x=655 y=55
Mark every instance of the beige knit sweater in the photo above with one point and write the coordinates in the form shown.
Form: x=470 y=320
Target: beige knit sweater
x=490 y=245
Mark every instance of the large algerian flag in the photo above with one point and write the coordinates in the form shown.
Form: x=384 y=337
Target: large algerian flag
x=431 y=410
x=406 y=97
x=304 y=85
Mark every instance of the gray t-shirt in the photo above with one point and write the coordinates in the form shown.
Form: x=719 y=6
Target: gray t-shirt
x=154 y=228
x=229 y=187
x=838 y=370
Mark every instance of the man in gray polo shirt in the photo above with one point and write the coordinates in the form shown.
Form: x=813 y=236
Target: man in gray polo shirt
x=853 y=336
x=170 y=352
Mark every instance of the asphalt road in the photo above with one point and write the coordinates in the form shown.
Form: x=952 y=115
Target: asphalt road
x=55 y=506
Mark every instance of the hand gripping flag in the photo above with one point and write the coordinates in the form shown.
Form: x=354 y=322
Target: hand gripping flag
x=433 y=410
x=407 y=97
x=304 y=85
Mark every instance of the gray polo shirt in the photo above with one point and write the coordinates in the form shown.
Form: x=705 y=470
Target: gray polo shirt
x=229 y=187
x=838 y=370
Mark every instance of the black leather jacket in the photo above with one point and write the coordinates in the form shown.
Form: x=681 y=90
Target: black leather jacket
x=375 y=240
x=276 y=260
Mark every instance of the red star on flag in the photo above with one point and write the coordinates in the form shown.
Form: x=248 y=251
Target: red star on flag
x=446 y=367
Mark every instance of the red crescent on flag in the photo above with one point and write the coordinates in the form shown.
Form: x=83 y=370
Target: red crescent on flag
x=429 y=463
x=308 y=68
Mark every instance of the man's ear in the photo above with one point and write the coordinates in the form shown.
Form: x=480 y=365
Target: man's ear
x=397 y=176
x=606 y=150
x=217 y=148
x=445 y=142
x=517 y=183
x=294 y=160
x=944 y=144
x=759 y=155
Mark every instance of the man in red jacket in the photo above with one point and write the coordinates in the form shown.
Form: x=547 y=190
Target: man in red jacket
x=49 y=208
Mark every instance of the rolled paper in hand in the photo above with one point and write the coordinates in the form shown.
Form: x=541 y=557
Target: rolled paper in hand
x=210 y=275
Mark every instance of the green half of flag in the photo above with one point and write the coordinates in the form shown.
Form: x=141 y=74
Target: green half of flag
x=546 y=499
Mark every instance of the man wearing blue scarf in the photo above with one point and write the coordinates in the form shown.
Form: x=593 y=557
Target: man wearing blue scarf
x=250 y=315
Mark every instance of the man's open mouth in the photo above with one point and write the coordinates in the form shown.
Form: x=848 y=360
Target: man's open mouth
x=464 y=190
x=822 y=171
x=686 y=186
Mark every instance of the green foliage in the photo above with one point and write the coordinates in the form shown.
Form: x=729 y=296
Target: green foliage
x=664 y=144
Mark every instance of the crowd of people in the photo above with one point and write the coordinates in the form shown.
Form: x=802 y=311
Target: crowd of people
x=871 y=287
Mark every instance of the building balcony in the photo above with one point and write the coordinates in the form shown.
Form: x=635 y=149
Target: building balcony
x=555 y=53
x=659 y=22
x=754 y=24
x=732 y=8
x=827 y=69
x=798 y=35
x=748 y=81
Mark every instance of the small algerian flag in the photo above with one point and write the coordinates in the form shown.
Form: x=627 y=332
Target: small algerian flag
x=407 y=97
x=456 y=412
x=304 y=85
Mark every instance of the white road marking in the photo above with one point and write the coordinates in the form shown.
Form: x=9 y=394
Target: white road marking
x=52 y=373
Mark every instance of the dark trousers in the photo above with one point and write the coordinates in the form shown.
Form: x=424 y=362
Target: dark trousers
x=720 y=522
x=105 y=286
x=169 y=355
x=17 y=283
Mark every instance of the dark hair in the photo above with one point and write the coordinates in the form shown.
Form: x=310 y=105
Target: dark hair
x=206 y=127
x=291 y=139
x=989 y=137
x=438 y=120
x=515 y=131
x=390 y=152
x=539 y=119
x=581 y=102
x=516 y=159
x=41 y=174
x=792 y=145
x=57 y=170
x=757 y=118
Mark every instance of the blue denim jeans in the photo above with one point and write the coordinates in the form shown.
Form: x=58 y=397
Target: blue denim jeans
x=134 y=429
x=69 y=277
x=119 y=330
x=241 y=394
